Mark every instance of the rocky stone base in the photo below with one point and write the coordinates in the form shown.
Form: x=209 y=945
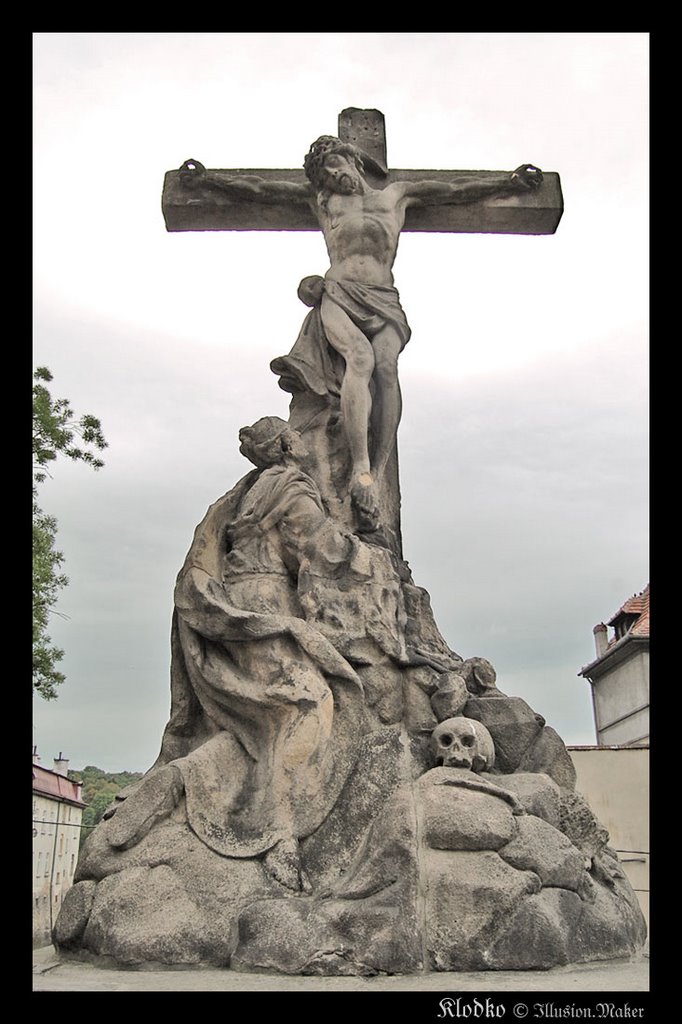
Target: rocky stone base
x=451 y=872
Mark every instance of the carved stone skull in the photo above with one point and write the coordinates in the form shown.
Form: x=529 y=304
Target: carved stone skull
x=463 y=743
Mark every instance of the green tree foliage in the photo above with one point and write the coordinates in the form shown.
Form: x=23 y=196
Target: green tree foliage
x=56 y=431
x=99 y=790
x=47 y=582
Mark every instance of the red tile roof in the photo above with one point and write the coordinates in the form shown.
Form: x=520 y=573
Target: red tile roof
x=638 y=605
x=641 y=627
x=634 y=605
x=56 y=786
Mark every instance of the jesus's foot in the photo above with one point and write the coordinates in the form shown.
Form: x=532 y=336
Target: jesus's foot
x=283 y=862
x=364 y=501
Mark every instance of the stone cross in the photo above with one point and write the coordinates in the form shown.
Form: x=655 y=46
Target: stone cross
x=342 y=370
x=535 y=212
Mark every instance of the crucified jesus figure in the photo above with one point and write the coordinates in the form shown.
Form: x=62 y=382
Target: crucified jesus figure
x=360 y=308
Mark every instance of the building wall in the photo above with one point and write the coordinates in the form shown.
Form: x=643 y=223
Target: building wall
x=615 y=783
x=56 y=834
x=618 y=693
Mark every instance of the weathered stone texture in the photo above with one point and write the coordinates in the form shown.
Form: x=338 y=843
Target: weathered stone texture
x=513 y=725
x=331 y=938
x=548 y=755
x=539 y=847
x=559 y=928
x=74 y=914
x=468 y=897
x=456 y=818
x=537 y=794
x=536 y=936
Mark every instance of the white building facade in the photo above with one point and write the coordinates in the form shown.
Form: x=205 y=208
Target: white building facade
x=619 y=675
x=57 y=812
x=615 y=782
x=614 y=774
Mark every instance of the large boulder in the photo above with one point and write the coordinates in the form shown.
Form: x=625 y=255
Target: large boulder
x=513 y=725
x=468 y=896
x=457 y=813
x=539 y=847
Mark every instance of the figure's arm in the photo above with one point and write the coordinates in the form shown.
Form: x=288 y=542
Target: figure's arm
x=525 y=178
x=194 y=175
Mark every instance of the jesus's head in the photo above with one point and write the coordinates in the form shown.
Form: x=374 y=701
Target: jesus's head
x=334 y=165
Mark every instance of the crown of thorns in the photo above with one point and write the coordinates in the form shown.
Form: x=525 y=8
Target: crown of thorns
x=321 y=149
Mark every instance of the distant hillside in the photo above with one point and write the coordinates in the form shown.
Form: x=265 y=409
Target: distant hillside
x=99 y=790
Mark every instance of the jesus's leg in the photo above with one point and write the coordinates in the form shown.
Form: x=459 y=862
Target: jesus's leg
x=356 y=403
x=387 y=409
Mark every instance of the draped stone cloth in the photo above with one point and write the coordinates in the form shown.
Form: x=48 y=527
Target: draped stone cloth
x=312 y=364
x=265 y=713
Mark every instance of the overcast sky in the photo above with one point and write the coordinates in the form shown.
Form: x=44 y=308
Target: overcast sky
x=523 y=445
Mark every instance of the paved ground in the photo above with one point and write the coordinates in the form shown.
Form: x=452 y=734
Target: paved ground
x=54 y=974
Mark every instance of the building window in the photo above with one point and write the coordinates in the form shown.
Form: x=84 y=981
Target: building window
x=624 y=624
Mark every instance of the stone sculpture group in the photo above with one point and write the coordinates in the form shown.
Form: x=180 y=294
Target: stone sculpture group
x=337 y=791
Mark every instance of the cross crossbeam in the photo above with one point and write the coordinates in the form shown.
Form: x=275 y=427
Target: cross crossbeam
x=533 y=212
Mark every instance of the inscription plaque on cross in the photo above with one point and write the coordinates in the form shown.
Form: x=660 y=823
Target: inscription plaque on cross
x=342 y=370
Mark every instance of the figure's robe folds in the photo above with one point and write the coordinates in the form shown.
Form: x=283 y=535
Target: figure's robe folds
x=265 y=712
x=313 y=365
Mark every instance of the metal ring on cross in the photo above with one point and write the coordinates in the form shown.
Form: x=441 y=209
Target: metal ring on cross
x=190 y=173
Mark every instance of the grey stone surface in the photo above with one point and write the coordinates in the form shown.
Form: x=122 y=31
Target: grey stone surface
x=449 y=699
x=612 y=923
x=539 y=847
x=74 y=914
x=560 y=928
x=513 y=725
x=468 y=898
x=332 y=938
x=548 y=754
x=146 y=915
x=578 y=822
x=480 y=676
x=460 y=818
x=537 y=794
x=553 y=893
x=545 y=921
x=179 y=907
x=53 y=972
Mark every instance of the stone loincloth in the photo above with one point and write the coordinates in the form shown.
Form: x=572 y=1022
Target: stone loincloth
x=370 y=307
x=313 y=364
